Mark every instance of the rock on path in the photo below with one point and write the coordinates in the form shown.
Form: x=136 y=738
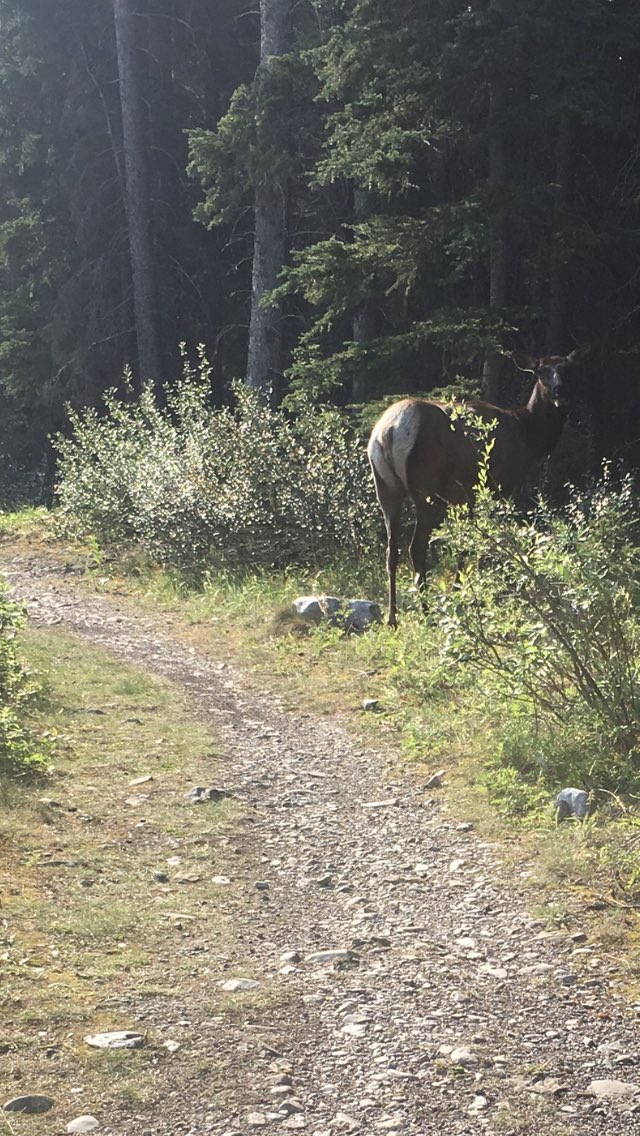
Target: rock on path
x=407 y=987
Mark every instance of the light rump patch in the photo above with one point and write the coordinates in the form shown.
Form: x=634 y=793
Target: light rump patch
x=392 y=441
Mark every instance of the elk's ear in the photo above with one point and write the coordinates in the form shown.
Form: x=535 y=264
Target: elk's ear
x=579 y=354
x=524 y=361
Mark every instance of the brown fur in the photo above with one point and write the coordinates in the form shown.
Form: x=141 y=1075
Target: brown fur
x=417 y=451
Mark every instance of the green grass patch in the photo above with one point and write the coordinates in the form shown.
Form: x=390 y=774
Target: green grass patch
x=89 y=936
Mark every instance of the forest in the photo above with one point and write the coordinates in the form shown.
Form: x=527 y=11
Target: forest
x=339 y=200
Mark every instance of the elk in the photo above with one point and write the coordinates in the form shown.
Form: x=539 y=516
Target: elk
x=417 y=450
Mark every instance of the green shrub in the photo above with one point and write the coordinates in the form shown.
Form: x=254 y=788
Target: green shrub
x=200 y=488
x=17 y=752
x=547 y=613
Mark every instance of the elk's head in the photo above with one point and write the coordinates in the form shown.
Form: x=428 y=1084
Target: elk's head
x=552 y=372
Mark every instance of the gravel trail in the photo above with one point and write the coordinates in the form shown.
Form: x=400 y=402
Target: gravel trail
x=407 y=988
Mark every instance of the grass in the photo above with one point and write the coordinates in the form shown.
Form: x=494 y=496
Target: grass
x=433 y=712
x=88 y=939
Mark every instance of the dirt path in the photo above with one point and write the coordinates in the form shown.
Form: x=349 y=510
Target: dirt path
x=450 y=1010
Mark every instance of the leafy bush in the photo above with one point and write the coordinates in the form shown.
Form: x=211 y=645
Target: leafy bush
x=547 y=612
x=17 y=753
x=201 y=488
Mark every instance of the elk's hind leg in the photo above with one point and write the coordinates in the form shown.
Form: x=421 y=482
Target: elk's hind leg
x=429 y=514
x=391 y=501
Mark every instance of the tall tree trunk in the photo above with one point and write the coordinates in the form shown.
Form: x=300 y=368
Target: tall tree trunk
x=498 y=238
x=558 y=283
x=137 y=193
x=364 y=317
x=270 y=223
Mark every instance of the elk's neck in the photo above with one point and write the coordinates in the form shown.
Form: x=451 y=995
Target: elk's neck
x=542 y=421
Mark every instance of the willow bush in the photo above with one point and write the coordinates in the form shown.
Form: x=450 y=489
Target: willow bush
x=199 y=487
x=546 y=612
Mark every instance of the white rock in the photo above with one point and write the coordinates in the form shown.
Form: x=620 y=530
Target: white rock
x=329 y=956
x=83 y=1124
x=463 y=1056
x=613 y=1090
x=116 y=1039
x=240 y=985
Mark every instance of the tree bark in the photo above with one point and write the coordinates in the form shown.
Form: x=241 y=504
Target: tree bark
x=270 y=224
x=498 y=238
x=558 y=283
x=137 y=193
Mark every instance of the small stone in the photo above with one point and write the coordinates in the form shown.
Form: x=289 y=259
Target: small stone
x=31 y=1104
x=116 y=1039
x=290 y=957
x=83 y=1124
x=345 y=1122
x=187 y=878
x=330 y=956
x=262 y=885
x=220 y=881
x=463 y=1056
x=141 y=780
x=297 y=1121
x=195 y=794
x=291 y=1105
x=354 y=1029
x=50 y=802
x=435 y=780
x=578 y=937
x=392 y=1124
x=215 y=793
x=240 y=985
x=172 y=1046
x=370 y=703
x=612 y=1090
x=325 y=881
x=317 y=608
x=388 y=803
x=161 y=877
x=478 y=1104
x=572 y=802
x=256 y=1120
x=361 y=613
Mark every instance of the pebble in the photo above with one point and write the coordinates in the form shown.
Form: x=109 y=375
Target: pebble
x=83 y=1124
x=347 y=1123
x=116 y=1039
x=370 y=703
x=31 y=1103
x=240 y=985
x=613 y=1090
x=463 y=1056
x=330 y=956
x=435 y=780
x=256 y=1120
x=387 y=803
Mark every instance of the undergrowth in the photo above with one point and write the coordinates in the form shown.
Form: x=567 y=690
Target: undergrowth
x=202 y=488
x=19 y=754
